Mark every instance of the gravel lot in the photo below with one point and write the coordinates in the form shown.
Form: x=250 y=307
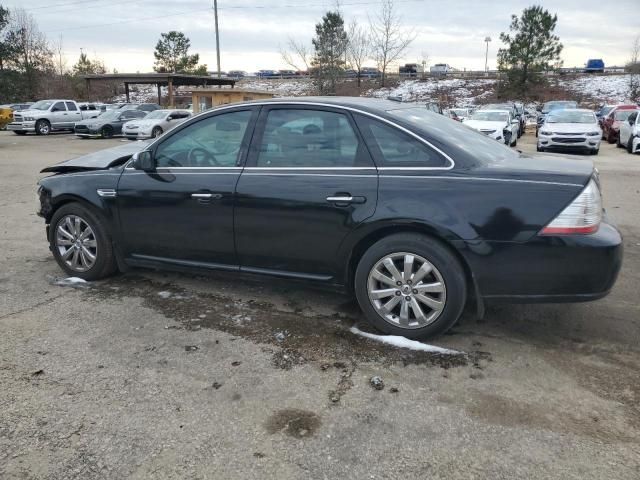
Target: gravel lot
x=162 y=375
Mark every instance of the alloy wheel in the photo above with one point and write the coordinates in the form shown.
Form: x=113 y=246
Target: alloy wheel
x=406 y=290
x=76 y=243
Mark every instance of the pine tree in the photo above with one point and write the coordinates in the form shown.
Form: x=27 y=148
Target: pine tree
x=329 y=43
x=172 y=55
x=531 y=47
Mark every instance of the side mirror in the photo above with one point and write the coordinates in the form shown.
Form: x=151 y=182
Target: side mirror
x=144 y=161
x=515 y=121
x=169 y=118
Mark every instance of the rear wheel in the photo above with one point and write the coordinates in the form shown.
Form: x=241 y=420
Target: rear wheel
x=81 y=243
x=410 y=285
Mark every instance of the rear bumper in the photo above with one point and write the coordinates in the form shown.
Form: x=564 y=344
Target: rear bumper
x=572 y=268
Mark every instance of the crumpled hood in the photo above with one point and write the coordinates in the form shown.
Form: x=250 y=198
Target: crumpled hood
x=485 y=125
x=99 y=160
x=570 y=127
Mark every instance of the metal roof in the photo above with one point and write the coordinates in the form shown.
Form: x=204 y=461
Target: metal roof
x=177 y=79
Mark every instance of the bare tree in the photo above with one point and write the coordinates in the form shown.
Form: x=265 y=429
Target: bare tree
x=296 y=54
x=389 y=40
x=358 y=48
x=634 y=69
x=59 y=58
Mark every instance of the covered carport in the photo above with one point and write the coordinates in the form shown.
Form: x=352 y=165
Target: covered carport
x=169 y=80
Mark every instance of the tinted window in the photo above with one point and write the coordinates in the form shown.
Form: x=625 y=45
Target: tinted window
x=394 y=148
x=59 y=107
x=71 y=106
x=211 y=142
x=632 y=117
x=456 y=136
x=307 y=138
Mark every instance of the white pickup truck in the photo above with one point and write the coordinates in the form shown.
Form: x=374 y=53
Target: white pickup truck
x=48 y=116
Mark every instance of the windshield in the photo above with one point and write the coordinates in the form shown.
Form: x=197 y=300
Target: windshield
x=622 y=115
x=42 y=105
x=156 y=114
x=547 y=107
x=572 y=116
x=490 y=116
x=457 y=135
x=459 y=111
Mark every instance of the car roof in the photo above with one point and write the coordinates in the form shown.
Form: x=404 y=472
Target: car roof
x=582 y=110
x=493 y=110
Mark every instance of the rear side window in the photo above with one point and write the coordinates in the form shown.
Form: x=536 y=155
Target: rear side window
x=71 y=106
x=392 y=147
x=309 y=138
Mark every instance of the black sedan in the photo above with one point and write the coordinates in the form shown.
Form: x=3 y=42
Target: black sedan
x=412 y=212
x=107 y=124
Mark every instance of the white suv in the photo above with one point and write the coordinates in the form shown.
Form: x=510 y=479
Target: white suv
x=630 y=133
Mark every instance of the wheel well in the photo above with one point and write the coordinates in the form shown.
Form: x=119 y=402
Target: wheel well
x=67 y=200
x=362 y=246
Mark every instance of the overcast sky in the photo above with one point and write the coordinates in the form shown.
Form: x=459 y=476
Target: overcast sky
x=123 y=33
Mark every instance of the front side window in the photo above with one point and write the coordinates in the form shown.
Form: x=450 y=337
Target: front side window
x=211 y=142
x=59 y=107
x=394 y=148
x=308 y=138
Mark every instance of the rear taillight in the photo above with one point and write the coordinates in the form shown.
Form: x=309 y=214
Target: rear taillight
x=582 y=216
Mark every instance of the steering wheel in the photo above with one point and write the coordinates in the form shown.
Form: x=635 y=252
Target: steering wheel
x=197 y=156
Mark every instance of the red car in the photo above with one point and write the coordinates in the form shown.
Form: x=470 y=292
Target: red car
x=611 y=123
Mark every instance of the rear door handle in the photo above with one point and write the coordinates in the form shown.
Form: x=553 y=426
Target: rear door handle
x=346 y=199
x=206 y=196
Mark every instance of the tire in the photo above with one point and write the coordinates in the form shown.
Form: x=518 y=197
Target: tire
x=595 y=151
x=630 y=144
x=447 y=269
x=156 y=132
x=515 y=142
x=536 y=132
x=618 y=144
x=539 y=148
x=104 y=263
x=43 y=127
x=106 y=132
x=19 y=132
x=610 y=137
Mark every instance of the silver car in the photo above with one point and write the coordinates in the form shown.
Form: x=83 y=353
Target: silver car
x=154 y=124
x=570 y=129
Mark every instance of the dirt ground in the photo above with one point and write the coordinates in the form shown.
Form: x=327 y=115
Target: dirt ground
x=173 y=376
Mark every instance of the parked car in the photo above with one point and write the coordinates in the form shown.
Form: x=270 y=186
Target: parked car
x=500 y=125
x=287 y=188
x=603 y=112
x=520 y=115
x=286 y=73
x=107 y=124
x=613 y=120
x=511 y=108
x=6 y=116
x=459 y=114
x=441 y=69
x=145 y=107
x=238 y=74
x=267 y=74
x=434 y=107
x=47 y=116
x=570 y=129
x=594 y=65
x=370 y=72
x=17 y=107
x=154 y=124
x=553 y=105
x=411 y=70
x=629 y=135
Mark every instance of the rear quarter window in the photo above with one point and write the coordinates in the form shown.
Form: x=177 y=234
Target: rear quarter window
x=391 y=147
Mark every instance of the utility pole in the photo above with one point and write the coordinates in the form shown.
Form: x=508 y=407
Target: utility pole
x=486 y=55
x=215 y=14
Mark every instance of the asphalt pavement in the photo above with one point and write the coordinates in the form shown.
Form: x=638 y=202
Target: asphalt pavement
x=175 y=376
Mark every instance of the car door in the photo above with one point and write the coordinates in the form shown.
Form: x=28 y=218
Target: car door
x=308 y=183
x=626 y=127
x=73 y=114
x=58 y=115
x=182 y=212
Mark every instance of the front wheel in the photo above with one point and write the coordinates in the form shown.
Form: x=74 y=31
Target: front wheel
x=106 y=132
x=81 y=243
x=43 y=127
x=411 y=285
x=156 y=132
x=630 y=145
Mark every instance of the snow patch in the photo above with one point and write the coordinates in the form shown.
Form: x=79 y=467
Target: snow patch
x=75 y=282
x=402 y=342
x=164 y=294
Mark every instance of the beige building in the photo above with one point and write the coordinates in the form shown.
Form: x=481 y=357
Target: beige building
x=205 y=98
